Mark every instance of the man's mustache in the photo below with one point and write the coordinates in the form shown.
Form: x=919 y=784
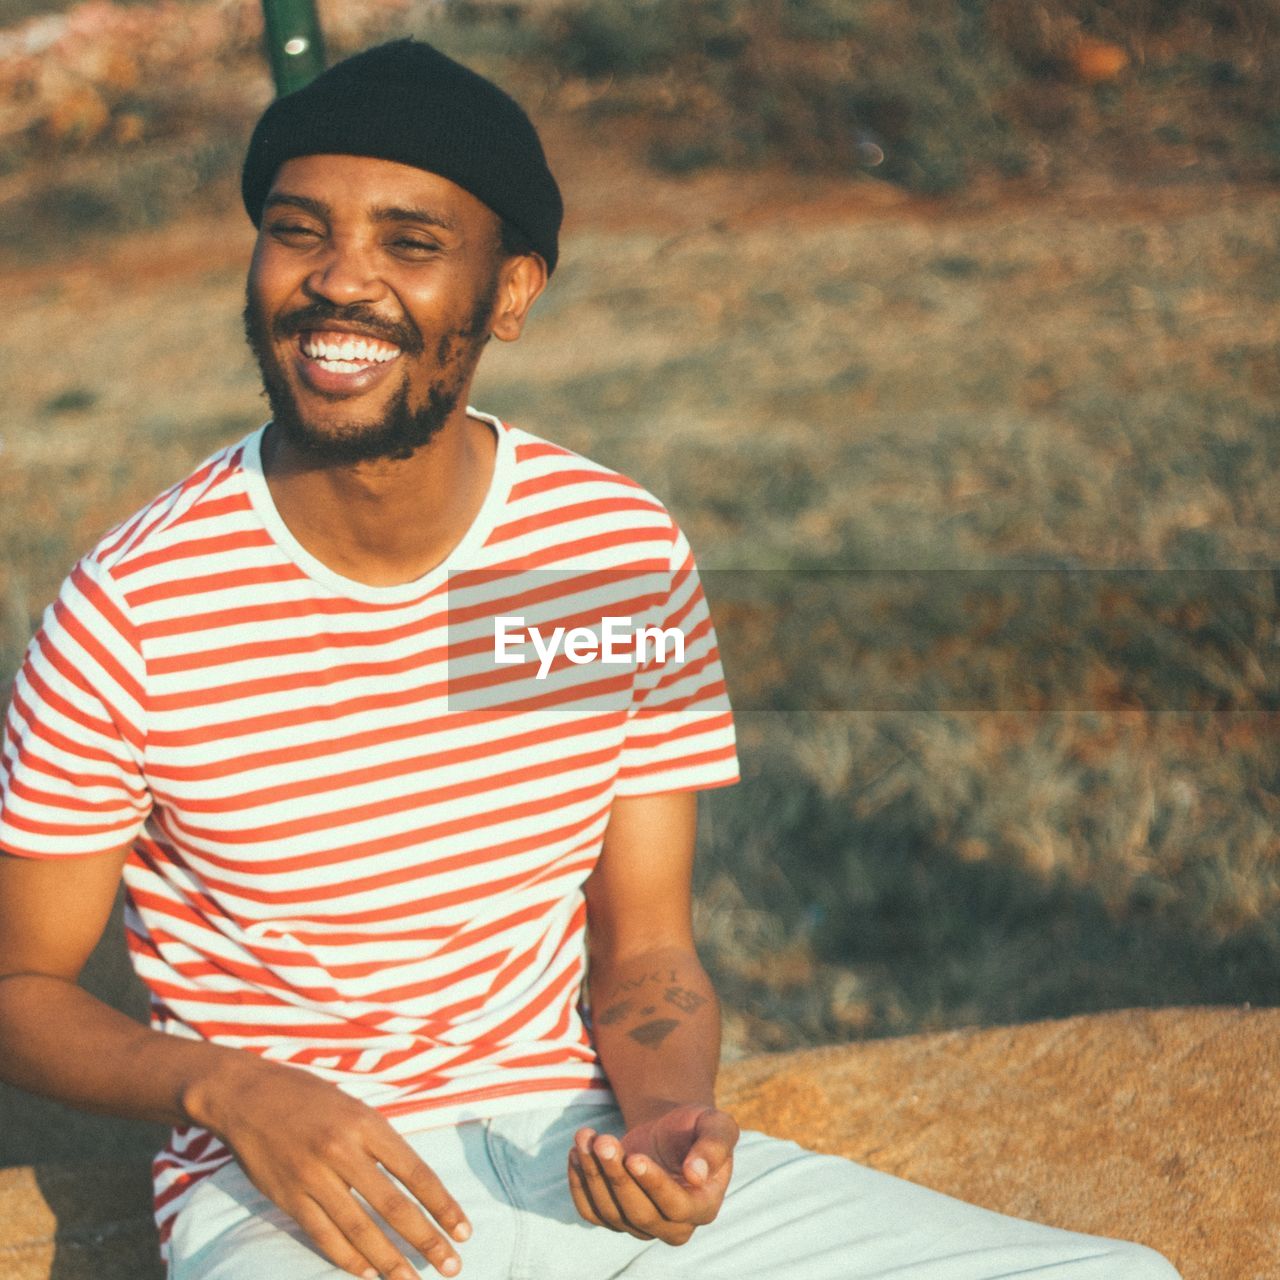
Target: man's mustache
x=316 y=315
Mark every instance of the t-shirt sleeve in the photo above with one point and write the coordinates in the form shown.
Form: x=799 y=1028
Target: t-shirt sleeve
x=71 y=770
x=680 y=733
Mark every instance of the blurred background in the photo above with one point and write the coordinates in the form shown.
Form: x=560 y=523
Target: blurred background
x=948 y=331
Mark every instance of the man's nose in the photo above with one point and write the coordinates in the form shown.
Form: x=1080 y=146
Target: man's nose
x=346 y=274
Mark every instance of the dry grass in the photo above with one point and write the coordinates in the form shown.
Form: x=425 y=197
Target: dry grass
x=940 y=94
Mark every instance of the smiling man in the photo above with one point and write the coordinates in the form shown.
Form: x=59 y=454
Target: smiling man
x=362 y=888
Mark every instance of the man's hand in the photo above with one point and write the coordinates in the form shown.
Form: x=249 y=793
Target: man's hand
x=307 y=1146
x=661 y=1179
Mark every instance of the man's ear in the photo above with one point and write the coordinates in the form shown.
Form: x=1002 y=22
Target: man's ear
x=522 y=278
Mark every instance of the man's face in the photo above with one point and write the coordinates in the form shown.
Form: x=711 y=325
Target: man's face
x=369 y=300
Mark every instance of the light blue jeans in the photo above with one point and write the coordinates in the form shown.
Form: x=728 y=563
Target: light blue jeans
x=789 y=1213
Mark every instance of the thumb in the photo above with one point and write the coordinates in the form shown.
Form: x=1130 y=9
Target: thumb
x=716 y=1136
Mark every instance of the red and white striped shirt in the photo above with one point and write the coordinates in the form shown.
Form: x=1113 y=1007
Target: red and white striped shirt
x=358 y=844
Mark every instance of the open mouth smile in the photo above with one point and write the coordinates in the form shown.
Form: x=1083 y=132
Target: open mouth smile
x=336 y=363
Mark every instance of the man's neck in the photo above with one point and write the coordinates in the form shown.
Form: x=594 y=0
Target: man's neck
x=384 y=522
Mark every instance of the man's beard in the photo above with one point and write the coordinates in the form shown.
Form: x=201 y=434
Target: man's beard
x=402 y=429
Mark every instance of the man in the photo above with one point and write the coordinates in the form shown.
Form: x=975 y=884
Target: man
x=367 y=852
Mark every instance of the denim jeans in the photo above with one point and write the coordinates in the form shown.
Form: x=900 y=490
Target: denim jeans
x=788 y=1213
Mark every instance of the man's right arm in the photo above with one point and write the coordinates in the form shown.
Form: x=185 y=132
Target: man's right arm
x=59 y=1041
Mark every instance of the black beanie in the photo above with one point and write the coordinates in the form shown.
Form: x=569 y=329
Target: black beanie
x=406 y=101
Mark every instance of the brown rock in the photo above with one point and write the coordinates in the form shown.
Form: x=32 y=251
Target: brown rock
x=78 y=1222
x=1096 y=60
x=128 y=128
x=78 y=116
x=1157 y=1126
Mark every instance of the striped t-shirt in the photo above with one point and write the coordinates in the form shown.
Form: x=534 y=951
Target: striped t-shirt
x=358 y=836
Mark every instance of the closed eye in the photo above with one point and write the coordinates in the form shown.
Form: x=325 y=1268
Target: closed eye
x=413 y=245
x=294 y=229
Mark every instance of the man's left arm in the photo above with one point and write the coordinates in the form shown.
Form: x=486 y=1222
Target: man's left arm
x=656 y=1026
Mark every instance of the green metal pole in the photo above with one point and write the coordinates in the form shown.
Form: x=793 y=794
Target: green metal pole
x=295 y=45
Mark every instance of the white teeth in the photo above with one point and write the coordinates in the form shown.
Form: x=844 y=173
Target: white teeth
x=347 y=351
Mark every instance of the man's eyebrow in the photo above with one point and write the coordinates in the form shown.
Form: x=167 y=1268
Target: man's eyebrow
x=306 y=203
x=429 y=217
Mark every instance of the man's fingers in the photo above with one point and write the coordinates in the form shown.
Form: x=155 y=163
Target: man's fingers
x=668 y=1196
x=639 y=1214
x=400 y=1212
x=598 y=1207
x=578 y=1190
x=717 y=1136
x=400 y=1160
x=611 y=1213
x=329 y=1240
x=363 y=1234
x=594 y=1187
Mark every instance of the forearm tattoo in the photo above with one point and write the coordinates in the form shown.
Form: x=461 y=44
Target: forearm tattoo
x=651 y=1010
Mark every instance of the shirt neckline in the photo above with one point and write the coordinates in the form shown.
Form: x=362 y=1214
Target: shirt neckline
x=475 y=536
